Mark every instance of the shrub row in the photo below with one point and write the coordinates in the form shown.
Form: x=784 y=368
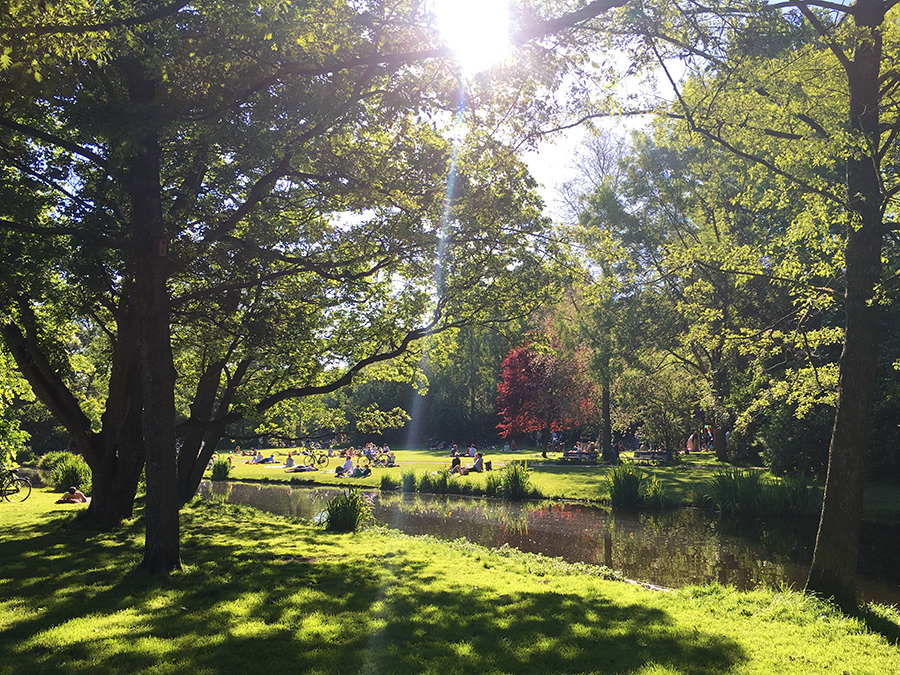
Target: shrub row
x=512 y=482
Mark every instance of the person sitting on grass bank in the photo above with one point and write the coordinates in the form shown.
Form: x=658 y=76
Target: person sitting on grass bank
x=455 y=463
x=72 y=496
x=360 y=472
x=346 y=469
x=478 y=466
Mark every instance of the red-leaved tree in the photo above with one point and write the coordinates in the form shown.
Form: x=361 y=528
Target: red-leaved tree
x=542 y=391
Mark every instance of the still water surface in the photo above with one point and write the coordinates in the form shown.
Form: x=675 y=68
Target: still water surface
x=671 y=549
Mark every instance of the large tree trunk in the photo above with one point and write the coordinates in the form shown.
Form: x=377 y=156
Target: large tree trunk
x=152 y=307
x=118 y=459
x=115 y=455
x=719 y=441
x=833 y=571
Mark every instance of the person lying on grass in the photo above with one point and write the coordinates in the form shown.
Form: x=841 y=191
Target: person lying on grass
x=72 y=496
x=300 y=468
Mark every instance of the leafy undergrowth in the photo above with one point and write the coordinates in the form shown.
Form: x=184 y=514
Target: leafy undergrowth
x=262 y=594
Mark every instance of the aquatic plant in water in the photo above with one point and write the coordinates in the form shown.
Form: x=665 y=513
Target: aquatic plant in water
x=347 y=512
x=736 y=493
x=515 y=481
x=220 y=469
x=625 y=484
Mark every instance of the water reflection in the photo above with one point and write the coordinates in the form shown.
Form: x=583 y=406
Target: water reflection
x=672 y=549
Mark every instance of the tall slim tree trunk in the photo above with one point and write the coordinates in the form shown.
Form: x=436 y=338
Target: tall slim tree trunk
x=161 y=548
x=605 y=424
x=833 y=571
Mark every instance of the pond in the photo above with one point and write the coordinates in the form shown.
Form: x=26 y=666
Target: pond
x=671 y=549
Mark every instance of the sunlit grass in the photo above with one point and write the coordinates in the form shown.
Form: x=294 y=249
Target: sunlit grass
x=263 y=594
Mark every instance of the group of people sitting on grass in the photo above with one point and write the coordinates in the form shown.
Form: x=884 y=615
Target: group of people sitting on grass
x=371 y=454
x=347 y=470
x=457 y=467
x=259 y=459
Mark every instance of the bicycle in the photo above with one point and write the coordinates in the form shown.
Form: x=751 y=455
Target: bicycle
x=15 y=488
x=315 y=457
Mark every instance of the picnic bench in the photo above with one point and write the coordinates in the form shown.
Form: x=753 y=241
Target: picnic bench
x=575 y=456
x=653 y=455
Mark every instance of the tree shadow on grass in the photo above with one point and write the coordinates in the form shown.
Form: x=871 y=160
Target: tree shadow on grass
x=886 y=624
x=250 y=603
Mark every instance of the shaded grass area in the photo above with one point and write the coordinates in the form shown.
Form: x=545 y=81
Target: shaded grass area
x=262 y=594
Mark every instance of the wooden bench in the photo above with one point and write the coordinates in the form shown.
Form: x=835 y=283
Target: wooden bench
x=653 y=456
x=580 y=456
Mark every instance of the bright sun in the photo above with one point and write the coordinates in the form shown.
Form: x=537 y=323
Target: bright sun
x=476 y=30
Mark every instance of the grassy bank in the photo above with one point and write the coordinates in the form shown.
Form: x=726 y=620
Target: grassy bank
x=260 y=594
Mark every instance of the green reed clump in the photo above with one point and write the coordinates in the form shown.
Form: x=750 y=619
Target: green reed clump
x=220 y=469
x=654 y=494
x=493 y=485
x=347 y=512
x=625 y=485
x=408 y=481
x=388 y=484
x=455 y=486
x=737 y=493
x=515 y=481
x=425 y=483
x=791 y=494
x=440 y=482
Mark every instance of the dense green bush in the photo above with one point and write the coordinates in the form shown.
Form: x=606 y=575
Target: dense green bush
x=625 y=485
x=388 y=484
x=71 y=471
x=220 y=469
x=784 y=443
x=347 y=512
x=49 y=461
x=26 y=456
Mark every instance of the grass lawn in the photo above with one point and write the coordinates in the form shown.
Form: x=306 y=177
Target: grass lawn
x=555 y=480
x=262 y=594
